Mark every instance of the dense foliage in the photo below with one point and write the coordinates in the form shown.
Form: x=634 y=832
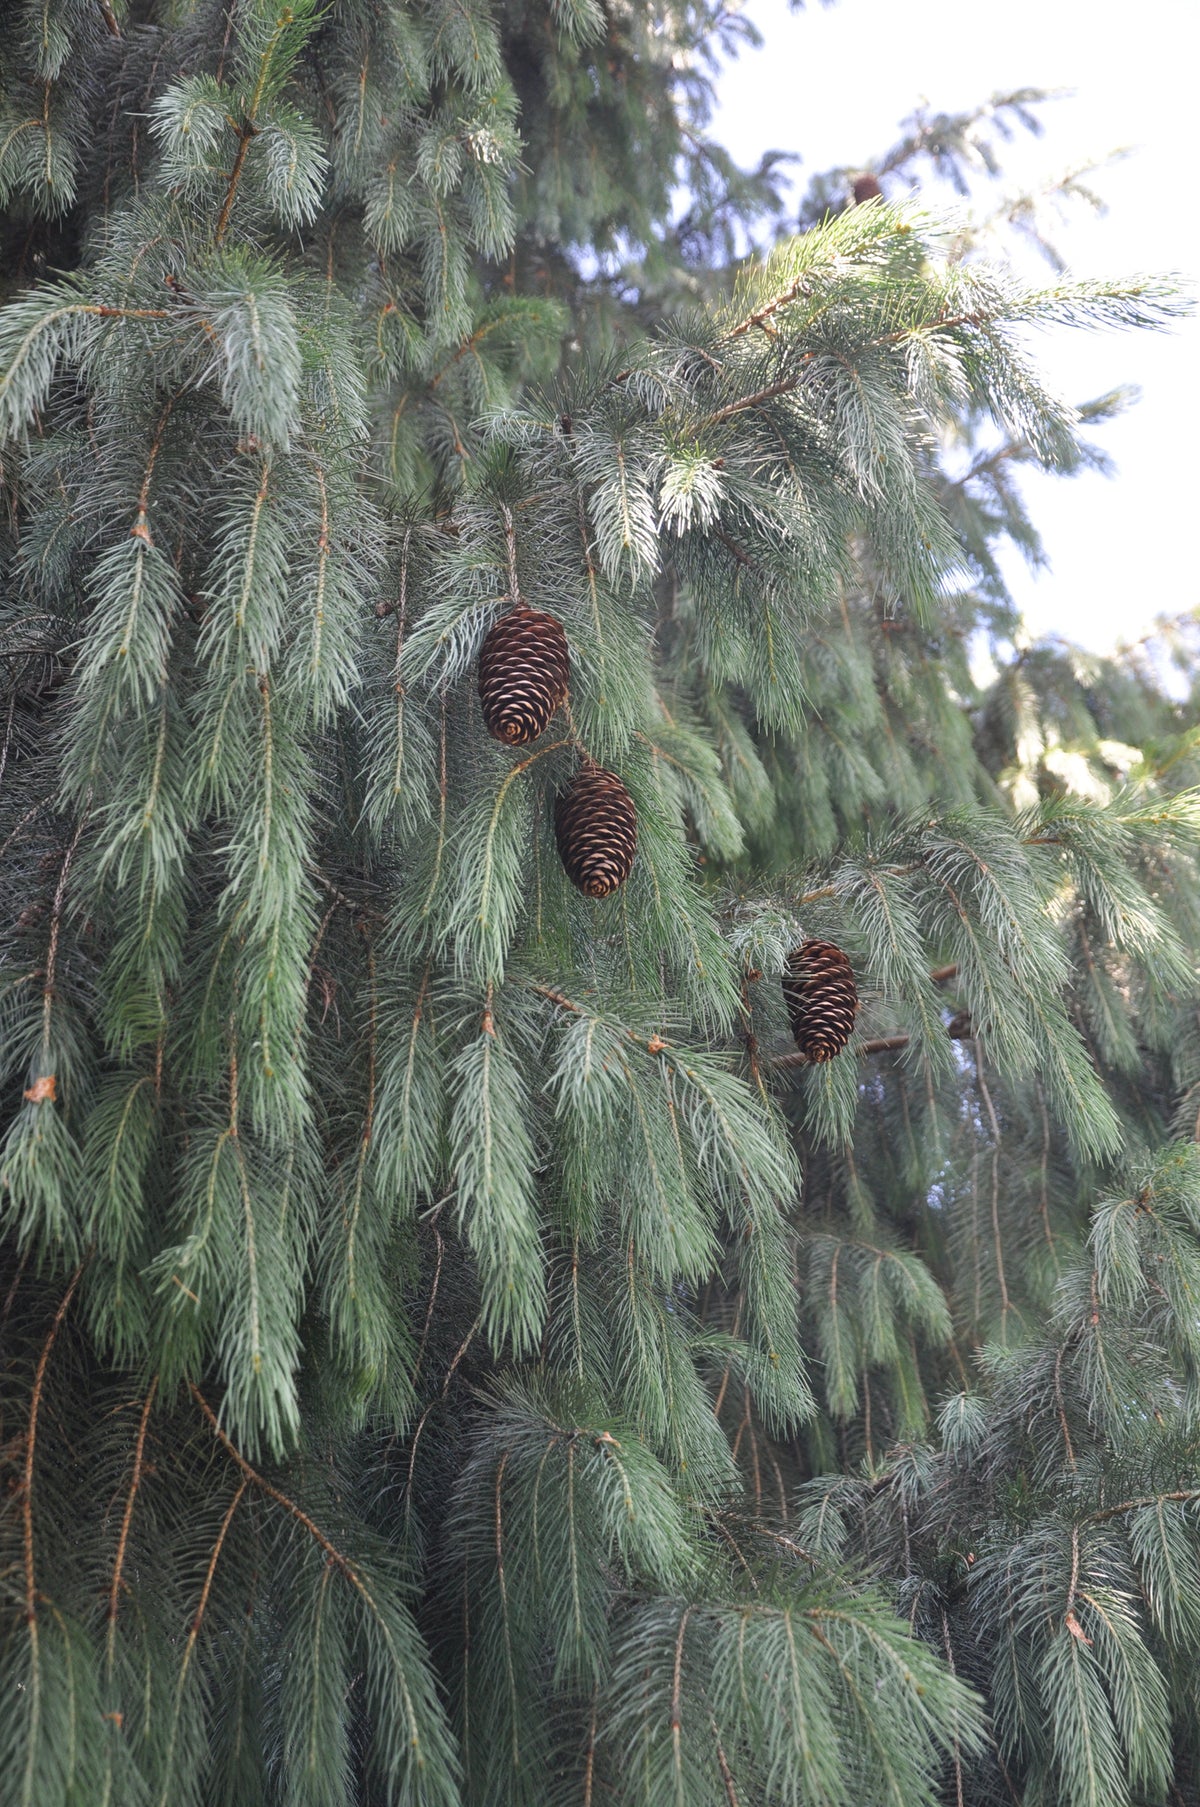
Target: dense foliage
x=453 y=1352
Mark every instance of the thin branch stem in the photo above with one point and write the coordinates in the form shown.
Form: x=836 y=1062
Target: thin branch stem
x=997 y=1241
x=251 y=1473
x=114 y=1592
x=35 y=1406
x=55 y=926
x=1182 y=1498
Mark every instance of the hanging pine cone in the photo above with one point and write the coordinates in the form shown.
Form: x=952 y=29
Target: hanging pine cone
x=524 y=667
x=821 y=998
x=595 y=825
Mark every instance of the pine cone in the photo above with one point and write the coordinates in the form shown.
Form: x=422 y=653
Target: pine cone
x=821 y=998
x=524 y=668
x=595 y=825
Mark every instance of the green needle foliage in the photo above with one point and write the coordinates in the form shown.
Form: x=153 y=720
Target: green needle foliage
x=454 y=1353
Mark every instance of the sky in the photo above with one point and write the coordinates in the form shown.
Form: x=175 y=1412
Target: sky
x=833 y=83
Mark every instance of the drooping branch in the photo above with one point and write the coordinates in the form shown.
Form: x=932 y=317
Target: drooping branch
x=114 y=1592
x=35 y=1406
x=194 y=1632
x=653 y=1044
x=340 y=1562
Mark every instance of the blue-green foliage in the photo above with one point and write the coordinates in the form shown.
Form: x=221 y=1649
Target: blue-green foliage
x=455 y=1352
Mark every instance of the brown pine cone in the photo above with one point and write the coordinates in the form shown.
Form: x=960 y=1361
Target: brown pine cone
x=524 y=669
x=821 y=998
x=595 y=825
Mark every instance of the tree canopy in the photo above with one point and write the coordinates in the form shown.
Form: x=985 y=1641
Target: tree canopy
x=456 y=1348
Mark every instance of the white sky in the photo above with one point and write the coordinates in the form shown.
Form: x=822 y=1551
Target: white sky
x=833 y=84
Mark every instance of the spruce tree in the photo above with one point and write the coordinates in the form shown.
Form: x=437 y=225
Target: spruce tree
x=458 y=1347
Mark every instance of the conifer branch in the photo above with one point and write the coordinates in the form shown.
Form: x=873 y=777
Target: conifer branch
x=209 y=1573
x=55 y=927
x=114 y=1592
x=793 y=292
x=589 y=1768
x=1184 y=1497
x=748 y=1035
x=335 y=1556
x=357 y=906
x=139 y=529
x=194 y=1632
x=731 y=546
x=510 y=547
x=429 y=1309
x=783 y=386
x=653 y=1044
x=731 y=1794
x=500 y=1576
x=368 y=1128
x=245 y=133
x=676 y=1720
x=249 y=764
x=466 y=347
x=104 y=312
x=35 y=1405
x=1068 y=1446
x=442 y=799
x=458 y=1356
x=997 y=1241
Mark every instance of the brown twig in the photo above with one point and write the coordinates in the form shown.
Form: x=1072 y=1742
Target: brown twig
x=114 y=1592
x=424 y=1418
x=748 y=1035
x=958 y=1030
x=248 y=128
x=731 y=546
x=676 y=1690
x=762 y=314
x=1150 y=1499
x=35 y=1405
x=653 y=1044
x=210 y=1571
x=510 y=549
x=500 y=1575
x=140 y=530
x=124 y=313
x=55 y=926
x=340 y=1562
x=731 y=1794
x=997 y=1241
x=433 y=1293
x=246 y=133
x=590 y=1767
x=352 y=904
x=194 y=1628
x=783 y=386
